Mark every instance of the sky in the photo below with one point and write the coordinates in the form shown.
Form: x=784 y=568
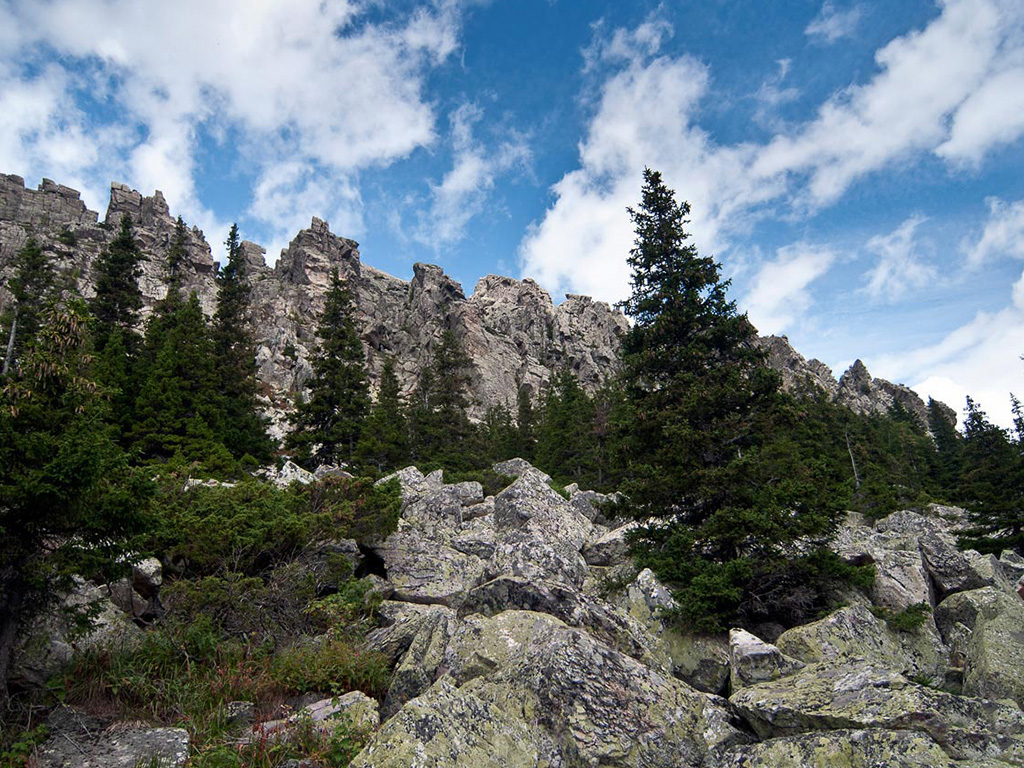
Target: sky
x=857 y=167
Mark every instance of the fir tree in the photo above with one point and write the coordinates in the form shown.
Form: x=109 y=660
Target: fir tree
x=948 y=454
x=728 y=504
x=384 y=443
x=328 y=424
x=244 y=429
x=439 y=426
x=115 y=307
x=992 y=484
x=526 y=425
x=30 y=288
x=564 y=435
x=70 y=502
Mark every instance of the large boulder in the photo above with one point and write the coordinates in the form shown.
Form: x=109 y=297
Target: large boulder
x=989 y=625
x=841 y=749
x=610 y=549
x=420 y=664
x=752 y=660
x=530 y=503
x=79 y=740
x=422 y=570
x=824 y=697
x=449 y=727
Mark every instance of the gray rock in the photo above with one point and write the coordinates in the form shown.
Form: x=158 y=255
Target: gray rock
x=825 y=697
x=420 y=664
x=354 y=709
x=752 y=660
x=423 y=571
x=610 y=549
x=117 y=748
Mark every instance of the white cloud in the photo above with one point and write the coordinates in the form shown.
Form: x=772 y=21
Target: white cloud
x=647 y=114
x=832 y=24
x=990 y=116
x=463 y=192
x=1003 y=234
x=304 y=82
x=981 y=359
x=779 y=294
x=901 y=264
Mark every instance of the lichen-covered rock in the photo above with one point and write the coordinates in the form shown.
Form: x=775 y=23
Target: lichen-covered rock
x=752 y=660
x=841 y=749
x=426 y=571
x=950 y=569
x=701 y=661
x=400 y=622
x=824 y=697
x=588 y=703
x=517 y=468
x=610 y=549
x=127 y=747
x=54 y=638
x=530 y=553
x=447 y=727
x=968 y=608
x=354 y=709
x=531 y=503
x=419 y=666
x=576 y=609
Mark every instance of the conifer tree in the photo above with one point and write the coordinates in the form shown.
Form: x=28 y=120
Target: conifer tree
x=115 y=307
x=30 y=288
x=244 y=428
x=70 y=502
x=384 y=443
x=728 y=506
x=564 y=435
x=992 y=484
x=439 y=425
x=526 y=425
x=948 y=454
x=328 y=424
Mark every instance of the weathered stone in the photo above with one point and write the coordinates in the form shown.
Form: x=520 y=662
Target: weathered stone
x=568 y=605
x=354 y=709
x=293 y=473
x=752 y=660
x=400 y=624
x=517 y=468
x=419 y=666
x=531 y=502
x=968 y=608
x=798 y=374
x=841 y=749
x=115 y=747
x=147 y=577
x=476 y=537
x=598 y=508
x=995 y=657
x=449 y=727
x=53 y=639
x=702 y=661
x=424 y=571
x=611 y=549
x=951 y=570
x=530 y=553
x=824 y=697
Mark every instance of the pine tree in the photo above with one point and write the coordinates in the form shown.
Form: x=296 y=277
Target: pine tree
x=440 y=429
x=384 y=443
x=728 y=504
x=244 y=429
x=70 y=502
x=329 y=423
x=30 y=288
x=565 y=433
x=526 y=425
x=992 y=484
x=115 y=307
x=948 y=454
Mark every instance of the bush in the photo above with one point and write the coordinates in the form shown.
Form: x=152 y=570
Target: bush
x=353 y=508
x=909 y=619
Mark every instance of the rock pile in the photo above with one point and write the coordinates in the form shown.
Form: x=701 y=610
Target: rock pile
x=516 y=643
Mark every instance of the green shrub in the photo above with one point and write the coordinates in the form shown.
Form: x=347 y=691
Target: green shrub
x=332 y=664
x=353 y=508
x=909 y=619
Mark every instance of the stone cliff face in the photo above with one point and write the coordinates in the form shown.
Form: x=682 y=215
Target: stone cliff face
x=512 y=330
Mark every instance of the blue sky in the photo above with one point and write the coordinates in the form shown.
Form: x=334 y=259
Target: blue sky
x=857 y=167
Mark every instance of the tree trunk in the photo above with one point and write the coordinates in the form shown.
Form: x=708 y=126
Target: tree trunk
x=13 y=591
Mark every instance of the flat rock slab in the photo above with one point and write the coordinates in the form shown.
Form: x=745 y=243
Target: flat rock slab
x=841 y=749
x=168 y=747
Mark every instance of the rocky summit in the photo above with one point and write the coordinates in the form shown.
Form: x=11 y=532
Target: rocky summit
x=513 y=332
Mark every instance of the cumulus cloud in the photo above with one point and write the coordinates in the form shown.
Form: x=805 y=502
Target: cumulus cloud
x=307 y=83
x=1002 y=236
x=980 y=358
x=832 y=24
x=902 y=262
x=647 y=113
x=779 y=294
x=463 y=192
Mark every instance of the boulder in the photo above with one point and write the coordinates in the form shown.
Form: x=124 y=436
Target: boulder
x=400 y=622
x=530 y=553
x=752 y=660
x=517 y=468
x=576 y=609
x=354 y=709
x=79 y=741
x=531 y=503
x=950 y=569
x=841 y=749
x=598 y=508
x=825 y=697
x=419 y=665
x=610 y=549
x=448 y=727
x=413 y=483
x=425 y=571
x=968 y=608
x=293 y=473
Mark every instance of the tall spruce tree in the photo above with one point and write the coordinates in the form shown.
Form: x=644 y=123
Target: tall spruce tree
x=729 y=505
x=565 y=446
x=70 y=502
x=244 y=429
x=440 y=429
x=30 y=288
x=115 y=307
x=384 y=443
x=329 y=422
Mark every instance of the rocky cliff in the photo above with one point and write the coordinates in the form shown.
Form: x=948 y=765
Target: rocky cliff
x=511 y=329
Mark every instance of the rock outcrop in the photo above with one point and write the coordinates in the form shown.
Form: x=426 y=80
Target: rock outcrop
x=511 y=329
